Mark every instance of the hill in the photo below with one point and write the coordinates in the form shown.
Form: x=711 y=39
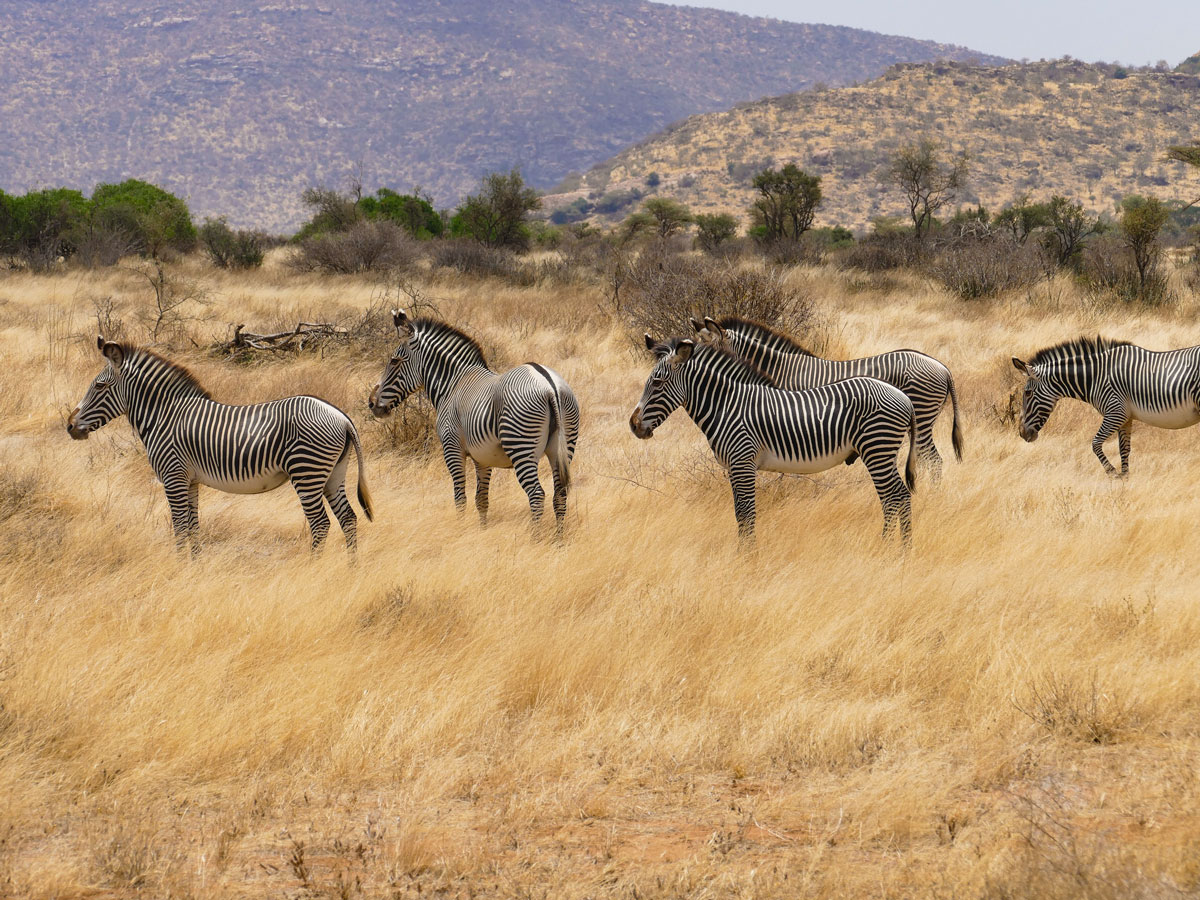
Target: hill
x=1092 y=132
x=1190 y=66
x=242 y=107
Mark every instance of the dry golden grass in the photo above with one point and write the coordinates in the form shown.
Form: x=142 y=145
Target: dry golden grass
x=1011 y=709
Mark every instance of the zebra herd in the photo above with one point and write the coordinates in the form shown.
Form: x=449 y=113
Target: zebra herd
x=762 y=401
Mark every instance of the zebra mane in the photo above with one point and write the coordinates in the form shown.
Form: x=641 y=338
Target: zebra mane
x=179 y=374
x=764 y=333
x=438 y=328
x=1075 y=348
x=740 y=370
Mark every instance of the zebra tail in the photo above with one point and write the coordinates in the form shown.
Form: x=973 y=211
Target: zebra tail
x=364 y=493
x=956 y=433
x=559 y=436
x=910 y=468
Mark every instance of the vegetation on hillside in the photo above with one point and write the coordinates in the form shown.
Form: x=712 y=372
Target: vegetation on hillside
x=1090 y=132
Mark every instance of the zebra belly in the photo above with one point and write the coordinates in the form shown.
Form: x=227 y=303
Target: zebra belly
x=1180 y=416
x=769 y=462
x=251 y=484
x=491 y=454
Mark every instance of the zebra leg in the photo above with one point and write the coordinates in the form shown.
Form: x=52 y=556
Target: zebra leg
x=344 y=512
x=483 y=481
x=456 y=463
x=179 y=500
x=1125 y=439
x=894 y=495
x=193 y=525
x=311 y=492
x=527 y=474
x=741 y=479
x=927 y=451
x=1113 y=421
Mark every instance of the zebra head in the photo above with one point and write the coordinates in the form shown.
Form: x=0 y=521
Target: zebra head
x=664 y=392
x=105 y=397
x=403 y=373
x=1037 y=399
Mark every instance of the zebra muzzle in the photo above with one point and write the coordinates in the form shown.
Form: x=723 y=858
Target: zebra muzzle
x=638 y=427
x=79 y=434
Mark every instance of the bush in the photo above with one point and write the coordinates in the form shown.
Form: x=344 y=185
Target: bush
x=882 y=251
x=1108 y=269
x=712 y=230
x=44 y=226
x=229 y=249
x=157 y=219
x=472 y=258
x=662 y=291
x=412 y=212
x=496 y=216
x=974 y=268
x=367 y=246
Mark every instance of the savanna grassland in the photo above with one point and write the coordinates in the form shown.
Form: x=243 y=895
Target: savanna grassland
x=1010 y=709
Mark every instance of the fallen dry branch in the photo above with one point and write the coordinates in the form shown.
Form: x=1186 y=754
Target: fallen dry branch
x=304 y=334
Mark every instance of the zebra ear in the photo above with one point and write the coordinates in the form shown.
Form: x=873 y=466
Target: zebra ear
x=697 y=325
x=683 y=351
x=1020 y=366
x=99 y=342
x=651 y=343
x=113 y=353
x=400 y=320
x=713 y=328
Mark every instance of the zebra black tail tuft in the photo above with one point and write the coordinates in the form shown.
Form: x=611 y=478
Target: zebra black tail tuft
x=910 y=468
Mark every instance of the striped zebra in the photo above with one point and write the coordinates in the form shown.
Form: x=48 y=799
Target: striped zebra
x=926 y=381
x=192 y=439
x=750 y=424
x=499 y=421
x=1122 y=381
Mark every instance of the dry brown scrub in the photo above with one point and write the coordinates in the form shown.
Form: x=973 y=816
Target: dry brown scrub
x=1009 y=710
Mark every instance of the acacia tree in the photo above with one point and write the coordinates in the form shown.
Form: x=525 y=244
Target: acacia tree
x=1069 y=227
x=1186 y=153
x=1022 y=218
x=928 y=181
x=669 y=216
x=1142 y=218
x=496 y=215
x=787 y=202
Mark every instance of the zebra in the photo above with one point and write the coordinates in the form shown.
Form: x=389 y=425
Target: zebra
x=191 y=439
x=1121 y=380
x=508 y=420
x=925 y=380
x=751 y=424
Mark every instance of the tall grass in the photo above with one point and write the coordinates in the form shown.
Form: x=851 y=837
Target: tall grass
x=1010 y=709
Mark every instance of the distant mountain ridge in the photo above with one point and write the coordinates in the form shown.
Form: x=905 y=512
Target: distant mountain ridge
x=1093 y=132
x=239 y=107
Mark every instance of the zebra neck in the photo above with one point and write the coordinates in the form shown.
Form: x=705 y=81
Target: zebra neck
x=1076 y=378
x=151 y=406
x=772 y=358
x=707 y=397
x=442 y=377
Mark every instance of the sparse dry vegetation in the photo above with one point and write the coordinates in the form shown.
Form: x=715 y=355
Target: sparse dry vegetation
x=1009 y=710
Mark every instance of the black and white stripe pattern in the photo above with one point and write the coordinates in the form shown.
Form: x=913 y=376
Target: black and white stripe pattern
x=927 y=382
x=1122 y=381
x=192 y=439
x=750 y=424
x=508 y=420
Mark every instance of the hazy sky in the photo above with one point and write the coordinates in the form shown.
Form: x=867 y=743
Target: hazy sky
x=1136 y=33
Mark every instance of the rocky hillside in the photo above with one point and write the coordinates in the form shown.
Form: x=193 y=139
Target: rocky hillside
x=239 y=106
x=1092 y=132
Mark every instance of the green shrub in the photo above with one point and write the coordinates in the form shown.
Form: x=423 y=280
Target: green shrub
x=156 y=219
x=229 y=249
x=412 y=212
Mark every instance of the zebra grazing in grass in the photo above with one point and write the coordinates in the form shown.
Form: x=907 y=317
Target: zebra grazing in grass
x=1123 y=381
x=750 y=424
x=192 y=439
x=499 y=421
x=926 y=381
